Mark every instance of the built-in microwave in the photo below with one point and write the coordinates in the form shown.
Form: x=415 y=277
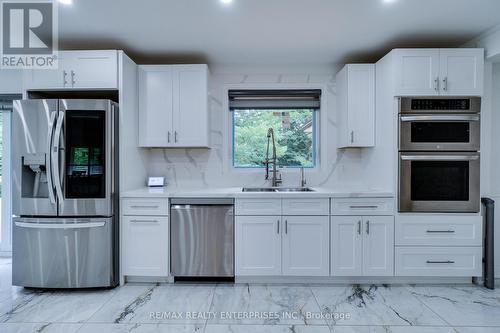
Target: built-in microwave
x=439 y=182
x=439 y=124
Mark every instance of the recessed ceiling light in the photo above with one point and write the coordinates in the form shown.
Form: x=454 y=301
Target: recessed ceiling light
x=389 y=1
x=226 y=2
x=66 y=2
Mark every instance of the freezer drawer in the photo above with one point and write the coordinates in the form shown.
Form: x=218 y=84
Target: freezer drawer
x=202 y=240
x=63 y=253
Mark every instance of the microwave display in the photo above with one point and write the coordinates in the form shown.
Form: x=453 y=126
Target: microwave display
x=462 y=104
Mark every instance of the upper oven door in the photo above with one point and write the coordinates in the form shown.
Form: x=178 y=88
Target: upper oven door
x=445 y=132
x=439 y=182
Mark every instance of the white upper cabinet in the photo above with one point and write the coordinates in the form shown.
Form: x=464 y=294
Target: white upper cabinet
x=428 y=72
x=173 y=106
x=356 y=106
x=462 y=71
x=417 y=72
x=156 y=109
x=77 y=70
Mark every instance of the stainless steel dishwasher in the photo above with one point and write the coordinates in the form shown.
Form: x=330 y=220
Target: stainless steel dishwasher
x=202 y=238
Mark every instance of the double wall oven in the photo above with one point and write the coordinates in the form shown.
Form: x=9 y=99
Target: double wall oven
x=439 y=159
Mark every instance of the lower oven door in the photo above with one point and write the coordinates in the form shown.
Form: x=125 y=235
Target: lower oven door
x=62 y=252
x=439 y=182
x=419 y=132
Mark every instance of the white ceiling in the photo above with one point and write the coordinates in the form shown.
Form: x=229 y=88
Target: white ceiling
x=257 y=32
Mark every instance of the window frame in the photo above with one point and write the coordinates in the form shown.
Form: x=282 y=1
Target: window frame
x=320 y=137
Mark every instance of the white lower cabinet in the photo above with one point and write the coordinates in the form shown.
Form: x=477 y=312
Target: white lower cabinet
x=306 y=246
x=282 y=245
x=146 y=250
x=439 y=261
x=258 y=245
x=362 y=246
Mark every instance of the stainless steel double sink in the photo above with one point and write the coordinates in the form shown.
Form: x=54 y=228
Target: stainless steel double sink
x=277 y=189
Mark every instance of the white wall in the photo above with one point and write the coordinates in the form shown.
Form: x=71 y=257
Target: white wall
x=353 y=169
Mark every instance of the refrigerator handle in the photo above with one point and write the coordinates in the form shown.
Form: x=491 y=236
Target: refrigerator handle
x=50 y=184
x=55 y=151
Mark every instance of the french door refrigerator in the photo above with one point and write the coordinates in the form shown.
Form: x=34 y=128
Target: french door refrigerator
x=65 y=193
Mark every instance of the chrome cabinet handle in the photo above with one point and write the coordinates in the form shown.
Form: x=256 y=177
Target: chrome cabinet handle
x=367 y=227
x=352 y=136
x=440 y=262
x=73 y=80
x=440 y=231
x=145 y=206
x=364 y=207
x=286 y=226
x=144 y=221
x=278 y=227
x=168 y=137
x=175 y=136
x=445 y=84
x=65 y=81
x=359 y=227
x=50 y=184
x=436 y=84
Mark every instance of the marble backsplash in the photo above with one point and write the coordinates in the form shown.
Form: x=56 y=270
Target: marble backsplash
x=343 y=169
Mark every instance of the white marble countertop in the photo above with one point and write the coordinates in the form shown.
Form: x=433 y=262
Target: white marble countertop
x=236 y=192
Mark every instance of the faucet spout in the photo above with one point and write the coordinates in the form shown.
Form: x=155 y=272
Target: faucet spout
x=270 y=139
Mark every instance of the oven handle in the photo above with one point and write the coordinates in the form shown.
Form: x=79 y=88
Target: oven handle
x=440 y=118
x=439 y=157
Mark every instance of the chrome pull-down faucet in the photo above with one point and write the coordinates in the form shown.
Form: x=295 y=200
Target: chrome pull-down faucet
x=276 y=179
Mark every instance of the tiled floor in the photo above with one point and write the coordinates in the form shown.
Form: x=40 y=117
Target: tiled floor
x=228 y=308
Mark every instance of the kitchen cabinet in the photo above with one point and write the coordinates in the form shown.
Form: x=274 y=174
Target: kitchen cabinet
x=356 y=106
x=146 y=237
x=77 y=70
x=258 y=245
x=173 y=106
x=146 y=252
x=306 y=245
x=362 y=246
x=430 y=72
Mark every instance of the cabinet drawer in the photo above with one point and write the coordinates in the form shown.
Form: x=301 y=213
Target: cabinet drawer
x=362 y=206
x=146 y=249
x=141 y=206
x=258 y=206
x=438 y=261
x=439 y=230
x=306 y=206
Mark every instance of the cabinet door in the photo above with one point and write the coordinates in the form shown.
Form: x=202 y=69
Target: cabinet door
x=306 y=246
x=49 y=78
x=378 y=246
x=346 y=245
x=155 y=106
x=361 y=105
x=258 y=245
x=462 y=71
x=190 y=98
x=147 y=251
x=417 y=72
x=93 y=69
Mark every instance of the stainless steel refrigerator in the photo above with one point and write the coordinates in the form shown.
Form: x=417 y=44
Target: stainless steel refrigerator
x=65 y=193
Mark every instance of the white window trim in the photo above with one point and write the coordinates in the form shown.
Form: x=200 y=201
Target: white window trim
x=321 y=126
